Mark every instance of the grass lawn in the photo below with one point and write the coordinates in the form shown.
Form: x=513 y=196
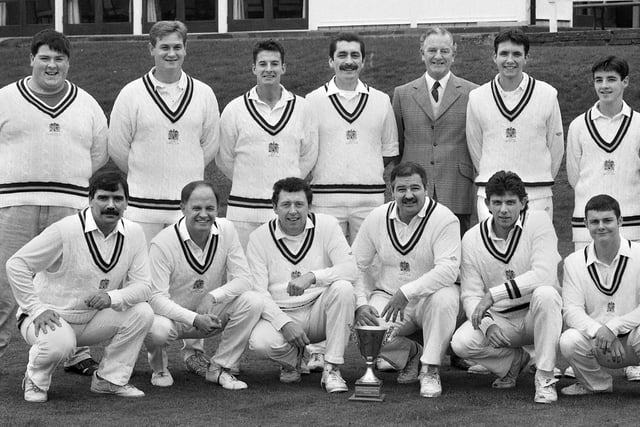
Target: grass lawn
x=102 y=68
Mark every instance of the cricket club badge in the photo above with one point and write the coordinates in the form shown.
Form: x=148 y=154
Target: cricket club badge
x=510 y=274
x=54 y=129
x=609 y=167
x=274 y=149
x=104 y=284
x=173 y=136
x=198 y=286
x=352 y=136
x=510 y=134
x=295 y=274
x=611 y=307
x=405 y=267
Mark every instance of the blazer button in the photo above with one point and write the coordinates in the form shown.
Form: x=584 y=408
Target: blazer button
x=432 y=127
x=432 y=162
x=435 y=144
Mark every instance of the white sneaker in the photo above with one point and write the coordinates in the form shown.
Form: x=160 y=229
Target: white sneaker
x=632 y=373
x=332 y=381
x=545 y=390
x=219 y=375
x=162 y=379
x=430 y=384
x=578 y=389
x=102 y=386
x=316 y=362
x=33 y=393
x=569 y=372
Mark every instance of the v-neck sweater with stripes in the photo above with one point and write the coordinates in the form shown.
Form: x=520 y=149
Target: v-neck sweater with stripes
x=162 y=150
x=47 y=154
x=587 y=152
x=529 y=260
x=590 y=303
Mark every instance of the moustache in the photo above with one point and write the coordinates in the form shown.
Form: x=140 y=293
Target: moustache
x=110 y=212
x=349 y=67
x=408 y=199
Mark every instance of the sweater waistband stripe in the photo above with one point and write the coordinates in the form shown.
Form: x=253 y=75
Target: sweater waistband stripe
x=526 y=183
x=160 y=204
x=45 y=187
x=348 y=188
x=248 y=202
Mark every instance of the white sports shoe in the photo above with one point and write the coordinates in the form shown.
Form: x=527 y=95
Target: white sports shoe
x=219 y=375
x=33 y=393
x=332 y=380
x=316 y=362
x=102 y=386
x=162 y=379
x=545 y=390
x=430 y=384
x=578 y=389
x=632 y=373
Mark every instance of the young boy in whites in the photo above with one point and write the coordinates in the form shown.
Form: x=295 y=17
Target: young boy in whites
x=601 y=297
x=266 y=134
x=201 y=287
x=303 y=265
x=85 y=280
x=510 y=289
x=417 y=241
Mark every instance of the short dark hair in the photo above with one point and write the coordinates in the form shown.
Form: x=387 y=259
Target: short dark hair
x=270 y=45
x=291 y=185
x=602 y=203
x=408 y=169
x=514 y=35
x=108 y=180
x=163 y=28
x=188 y=189
x=503 y=182
x=345 y=37
x=52 y=38
x=611 y=63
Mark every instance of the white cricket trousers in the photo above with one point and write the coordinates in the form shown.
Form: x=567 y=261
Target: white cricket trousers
x=330 y=317
x=540 y=325
x=124 y=330
x=238 y=318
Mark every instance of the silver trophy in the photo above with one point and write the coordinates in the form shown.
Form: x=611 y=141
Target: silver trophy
x=369 y=387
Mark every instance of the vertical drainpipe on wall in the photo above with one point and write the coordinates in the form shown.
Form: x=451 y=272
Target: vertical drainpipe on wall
x=532 y=12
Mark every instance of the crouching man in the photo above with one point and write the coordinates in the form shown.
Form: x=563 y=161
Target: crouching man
x=601 y=296
x=84 y=280
x=190 y=262
x=303 y=265
x=417 y=241
x=509 y=291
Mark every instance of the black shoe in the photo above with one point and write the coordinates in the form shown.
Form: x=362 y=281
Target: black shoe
x=84 y=367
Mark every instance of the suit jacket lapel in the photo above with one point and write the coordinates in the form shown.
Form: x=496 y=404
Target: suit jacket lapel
x=451 y=93
x=421 y=95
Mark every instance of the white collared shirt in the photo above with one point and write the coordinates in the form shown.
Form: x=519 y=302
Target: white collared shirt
x=292 y=242
x=199 y=253
x=171 y=93
x=271 y=115
x=348 y=98
x=405 y=231
x=511 y=98
x=499 y=242
x=608 y=126
x=607 y=271
x=104 y=243
x=443 y=84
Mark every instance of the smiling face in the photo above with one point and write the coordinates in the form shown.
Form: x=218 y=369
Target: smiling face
x=169 y=53
x=49 y=70
x=505 y=210
x=510 y=60
x=603 y=226
x=410 y=196
x=292 y=210
x=107 y=208
x=268 y=68
x=609 y=86
x=438 y=53
x=347 y=62
x=200 y=210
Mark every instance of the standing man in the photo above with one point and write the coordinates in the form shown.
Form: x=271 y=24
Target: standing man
x=417 y=241
x=85 y=280
x=431 y=113
x=163 y=131
x=190 y=263
x=302 y=264
x=53 y=137
x=514 y=123
x=356 y=127
x=265 y=135
x=601 y=296
x=509 y=289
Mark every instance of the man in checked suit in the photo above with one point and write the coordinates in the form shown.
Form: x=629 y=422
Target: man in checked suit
x=431 y=114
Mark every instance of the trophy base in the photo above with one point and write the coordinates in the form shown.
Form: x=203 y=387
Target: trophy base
x=368 y=392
